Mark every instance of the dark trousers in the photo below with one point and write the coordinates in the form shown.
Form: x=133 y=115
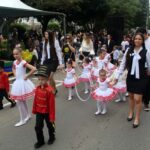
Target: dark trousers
x=146 y=95
x=39 y=127
x=3 y=93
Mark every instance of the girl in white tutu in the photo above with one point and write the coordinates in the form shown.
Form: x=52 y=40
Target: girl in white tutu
x=71 y=79
x=120 y=86
x=86 y=74
x=103 y=94
x=22 y=88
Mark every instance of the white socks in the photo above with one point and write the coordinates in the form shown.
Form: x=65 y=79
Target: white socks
x=24 y=113
x=122 y=97
x=87 y=86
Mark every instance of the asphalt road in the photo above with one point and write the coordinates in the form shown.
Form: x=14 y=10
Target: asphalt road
x=77 y=128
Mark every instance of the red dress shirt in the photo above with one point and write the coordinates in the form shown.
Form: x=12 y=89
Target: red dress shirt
x=4 y=83
x=44 y=101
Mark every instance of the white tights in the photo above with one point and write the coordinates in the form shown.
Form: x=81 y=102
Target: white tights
x=87 y=85
x=23 y=110
x=70 y=91
x=101 y=106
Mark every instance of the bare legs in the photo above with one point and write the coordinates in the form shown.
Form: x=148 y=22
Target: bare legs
x=135 y=103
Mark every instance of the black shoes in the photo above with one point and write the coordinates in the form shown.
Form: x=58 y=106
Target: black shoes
x=38 y=145
x=51 y=141
x=135 y=125
x=130 y=119
x=13 y=104
x=1 y=108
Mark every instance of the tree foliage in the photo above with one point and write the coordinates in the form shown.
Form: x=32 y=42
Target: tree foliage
x=94 y=13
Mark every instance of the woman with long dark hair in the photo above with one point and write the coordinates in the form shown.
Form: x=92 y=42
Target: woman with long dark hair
x=137 y=61
x=50 y=51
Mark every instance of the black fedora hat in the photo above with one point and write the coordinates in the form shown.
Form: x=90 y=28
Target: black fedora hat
x=1 y=64
x=43 y=71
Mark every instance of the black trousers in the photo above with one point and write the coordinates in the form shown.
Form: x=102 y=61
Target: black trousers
x=39 y=127
x=146 y=95
x=3 y=93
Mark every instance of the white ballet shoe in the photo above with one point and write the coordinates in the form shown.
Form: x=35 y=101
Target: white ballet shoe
x=118 y=100
x=27 y=118
x=98 y=112
x=20 y=123
x=69 y=98
x=86 y=92
x=104 y=111
x=127 y=94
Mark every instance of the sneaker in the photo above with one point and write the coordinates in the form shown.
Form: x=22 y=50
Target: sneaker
x=98 y=112
x=51 y=141
x=38 y=145
x=118 y=100
x=20 y=123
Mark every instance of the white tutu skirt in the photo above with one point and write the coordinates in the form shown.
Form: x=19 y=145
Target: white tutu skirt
x=84 y=78
x=104 y=96
x=120 y=87
x=22 y=90
x=111 y=66
x=68 y=83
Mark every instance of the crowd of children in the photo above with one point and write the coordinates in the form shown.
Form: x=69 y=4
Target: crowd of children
x=99 y=71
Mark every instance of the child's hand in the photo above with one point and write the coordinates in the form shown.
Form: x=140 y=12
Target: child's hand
x=26 y=77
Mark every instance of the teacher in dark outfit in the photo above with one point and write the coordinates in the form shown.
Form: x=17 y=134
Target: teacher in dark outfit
x=137 y=61
x=49 y=55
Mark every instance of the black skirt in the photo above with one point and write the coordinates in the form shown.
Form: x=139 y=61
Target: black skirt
x=52 y=65
x=137 y=86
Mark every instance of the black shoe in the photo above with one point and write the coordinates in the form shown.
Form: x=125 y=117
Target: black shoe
x=1 y=108
x=51 y=141
x=129 y=119
x=13 y=104
x=135 y=125
x=56 y=92
x=38 y=145
x=146 y=108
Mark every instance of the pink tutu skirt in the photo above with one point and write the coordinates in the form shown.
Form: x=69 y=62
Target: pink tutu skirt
x=120 y=87
x=105 y=96
x=69 y=83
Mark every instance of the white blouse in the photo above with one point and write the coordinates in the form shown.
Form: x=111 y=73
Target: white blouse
x=58 y=52
x=135 y=63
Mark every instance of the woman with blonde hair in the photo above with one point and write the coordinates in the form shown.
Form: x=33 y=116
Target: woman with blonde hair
x=87 y=47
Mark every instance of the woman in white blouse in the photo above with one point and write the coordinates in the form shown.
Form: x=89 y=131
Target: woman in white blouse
x=51 y=55
x=137 y=61
x=87 y=47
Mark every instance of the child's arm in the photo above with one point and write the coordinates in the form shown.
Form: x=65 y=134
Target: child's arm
x=32 y=70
